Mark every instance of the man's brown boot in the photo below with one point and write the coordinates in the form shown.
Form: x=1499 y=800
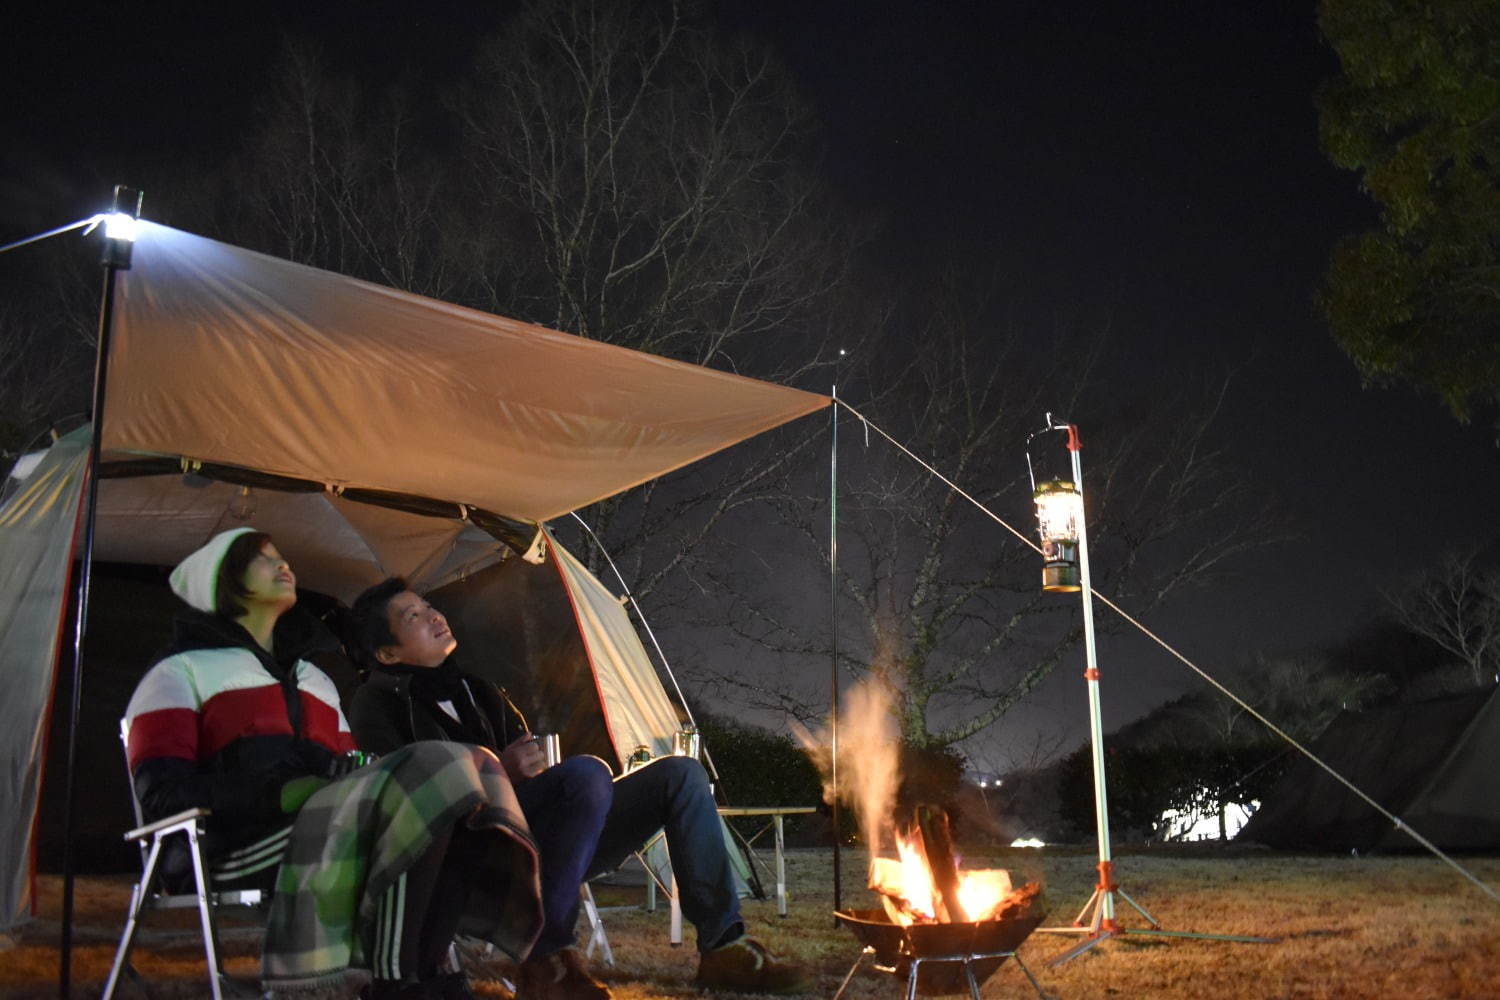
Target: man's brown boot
x=747 y=966
x=558 y=976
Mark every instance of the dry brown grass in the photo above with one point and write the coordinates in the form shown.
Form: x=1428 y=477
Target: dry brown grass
x=1348 y=927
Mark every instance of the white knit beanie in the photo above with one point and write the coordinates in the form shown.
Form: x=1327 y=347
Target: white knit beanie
x=195 y=579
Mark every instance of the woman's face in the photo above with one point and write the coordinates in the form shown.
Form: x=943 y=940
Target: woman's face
x=269 y=580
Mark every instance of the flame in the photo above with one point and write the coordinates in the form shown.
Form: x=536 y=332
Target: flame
x=906 y=887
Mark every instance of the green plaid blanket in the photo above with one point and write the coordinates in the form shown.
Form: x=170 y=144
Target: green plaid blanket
x=355 y=837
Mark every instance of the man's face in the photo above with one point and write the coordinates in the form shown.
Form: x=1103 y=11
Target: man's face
x=422 y=635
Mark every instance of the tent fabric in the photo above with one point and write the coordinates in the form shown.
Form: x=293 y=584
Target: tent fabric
x=561 y=644
x=338 y=546
x=37 y=527
x=1431 y=764
x=635 y=706
x=228 y=355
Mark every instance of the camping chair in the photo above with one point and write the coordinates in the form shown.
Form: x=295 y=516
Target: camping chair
x=598 y=940
x=145 y=894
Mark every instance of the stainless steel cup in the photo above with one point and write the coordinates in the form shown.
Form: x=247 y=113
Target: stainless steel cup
x=685 y=742
x=551 y=744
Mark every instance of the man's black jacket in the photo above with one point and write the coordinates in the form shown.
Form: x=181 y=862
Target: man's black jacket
x=397 y=705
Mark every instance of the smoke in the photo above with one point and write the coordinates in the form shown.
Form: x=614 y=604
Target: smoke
x=869 y=759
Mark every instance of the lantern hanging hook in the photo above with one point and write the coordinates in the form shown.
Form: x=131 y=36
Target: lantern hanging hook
x=1053 y=424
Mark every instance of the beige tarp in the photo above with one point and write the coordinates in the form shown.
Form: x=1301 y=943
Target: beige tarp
x=227 y=355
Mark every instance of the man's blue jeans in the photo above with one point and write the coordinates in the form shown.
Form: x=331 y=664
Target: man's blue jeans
x=671 y=793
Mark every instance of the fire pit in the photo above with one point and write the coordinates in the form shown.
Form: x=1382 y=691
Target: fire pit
x=945 y=958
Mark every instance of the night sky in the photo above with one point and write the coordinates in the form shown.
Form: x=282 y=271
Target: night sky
x=1153 y=162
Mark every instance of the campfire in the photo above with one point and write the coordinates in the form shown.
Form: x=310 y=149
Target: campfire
x=941 y=928
x=924 y=884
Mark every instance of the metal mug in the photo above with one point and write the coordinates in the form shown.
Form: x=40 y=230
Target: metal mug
x=639 y=757
x=685 y=742
x=551 y=744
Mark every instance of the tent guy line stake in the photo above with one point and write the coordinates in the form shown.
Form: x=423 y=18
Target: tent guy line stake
x=1397 y=821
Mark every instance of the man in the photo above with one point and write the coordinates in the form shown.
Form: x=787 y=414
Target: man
x=584 y=823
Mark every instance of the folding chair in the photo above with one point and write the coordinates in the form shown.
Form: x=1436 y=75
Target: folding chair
x=598 y=940
x=145 y=895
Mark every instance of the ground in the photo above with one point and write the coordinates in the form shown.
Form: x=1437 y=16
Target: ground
x=1346 y=927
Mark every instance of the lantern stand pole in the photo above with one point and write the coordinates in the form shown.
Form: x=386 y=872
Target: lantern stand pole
x=1097 y=918
x=117 y=253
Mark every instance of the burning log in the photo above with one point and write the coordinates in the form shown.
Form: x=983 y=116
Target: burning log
x=925 y=885
x=930 y=830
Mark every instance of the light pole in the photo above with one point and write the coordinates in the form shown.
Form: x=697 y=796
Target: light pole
x=1065 y=569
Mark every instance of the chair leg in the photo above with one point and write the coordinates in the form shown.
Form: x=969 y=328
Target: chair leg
x=138 y=896
x=597 y=937
x=206 y=917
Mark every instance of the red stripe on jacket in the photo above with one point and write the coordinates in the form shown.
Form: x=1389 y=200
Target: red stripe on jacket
x=229 y=716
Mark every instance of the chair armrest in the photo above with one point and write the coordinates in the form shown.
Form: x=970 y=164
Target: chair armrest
x=177 y=821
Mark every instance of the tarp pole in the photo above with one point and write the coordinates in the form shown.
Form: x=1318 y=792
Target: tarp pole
x=116 y=258
x=833 y=631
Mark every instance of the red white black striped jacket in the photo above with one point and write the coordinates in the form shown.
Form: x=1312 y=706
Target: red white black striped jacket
x=223 y=724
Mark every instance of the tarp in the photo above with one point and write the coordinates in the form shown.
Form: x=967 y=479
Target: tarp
x=228 y=358
x=231 y=356
x=1432 y=764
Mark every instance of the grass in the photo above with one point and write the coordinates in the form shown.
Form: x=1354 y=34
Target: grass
x=1347 y=927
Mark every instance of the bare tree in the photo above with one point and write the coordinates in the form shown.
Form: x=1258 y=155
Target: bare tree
x=47 y=334
x=1456 y=606
x=944 y=608
x=655 y=189
x=612 y=170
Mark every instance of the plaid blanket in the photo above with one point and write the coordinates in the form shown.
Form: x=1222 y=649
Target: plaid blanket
x=355 y=837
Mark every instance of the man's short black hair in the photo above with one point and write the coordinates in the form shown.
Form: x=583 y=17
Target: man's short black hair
x=370 y=624
x=229 y=586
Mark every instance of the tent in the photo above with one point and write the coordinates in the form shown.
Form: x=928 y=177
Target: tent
x=1432 y=764
x=373 y=432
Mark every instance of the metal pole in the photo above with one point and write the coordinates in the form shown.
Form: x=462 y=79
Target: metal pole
x=116 y=259
x=833 y=630
x=1106 y=912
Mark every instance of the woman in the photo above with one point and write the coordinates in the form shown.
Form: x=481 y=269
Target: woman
x=372 y=870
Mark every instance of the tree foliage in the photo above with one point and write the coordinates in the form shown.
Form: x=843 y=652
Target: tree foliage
x=1416 y=111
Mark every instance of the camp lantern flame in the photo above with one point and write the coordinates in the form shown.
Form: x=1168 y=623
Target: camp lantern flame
x=1059 y=513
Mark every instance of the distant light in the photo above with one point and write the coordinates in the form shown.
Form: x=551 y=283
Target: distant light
x=1027 y=842
x=984 y=784
x=121 y=226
